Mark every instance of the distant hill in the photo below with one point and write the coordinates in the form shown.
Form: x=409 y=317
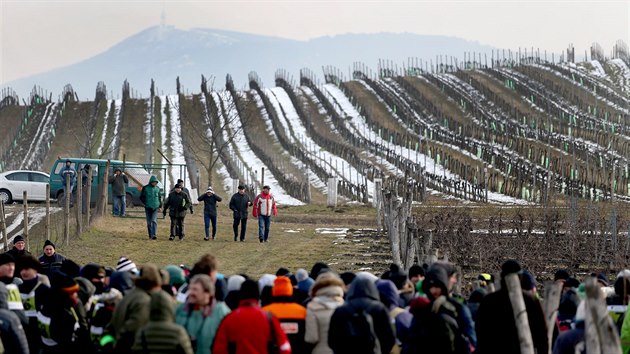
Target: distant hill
x=164 y=52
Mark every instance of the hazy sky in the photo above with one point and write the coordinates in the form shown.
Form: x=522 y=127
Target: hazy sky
x=39 y=35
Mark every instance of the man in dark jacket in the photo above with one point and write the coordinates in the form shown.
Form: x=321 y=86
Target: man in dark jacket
x=50 y=260
x=362 y=301
x=496 y=329
x=210 y=200
x=177 y=203
x=11 y=330
x=68 y=172
x=151 y=197
x=118 y=182
x=18 y=250
x=239 y=204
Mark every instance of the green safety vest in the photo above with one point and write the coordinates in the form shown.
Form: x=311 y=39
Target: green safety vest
x=28 y=301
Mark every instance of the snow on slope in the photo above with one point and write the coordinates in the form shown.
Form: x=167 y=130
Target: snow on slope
x=345 y=108
x=247 y=156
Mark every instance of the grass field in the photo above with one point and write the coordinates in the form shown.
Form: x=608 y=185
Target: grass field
x=300 y=236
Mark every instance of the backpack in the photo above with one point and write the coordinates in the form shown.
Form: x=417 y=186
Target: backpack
x=361 y=334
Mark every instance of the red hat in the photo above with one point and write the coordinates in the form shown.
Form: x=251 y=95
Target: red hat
x=282 y=287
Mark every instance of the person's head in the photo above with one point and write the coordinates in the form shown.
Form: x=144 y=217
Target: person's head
x=208 y=265
x=451 y=272
x=180 y=182
x=282 y=287
x=249 y=290
x=416 y=273
x=178 y=188
x=176 y=275
x=266 y=189
x=528 y=283
x=435 y=283
x=63 y=284
x=68 y=163
x=241 y=189
x=153 y=181
x=117 y=171
x=126 y=265
x=561 y=275
x=19 y=243
x=7 y=265
x=511 y=266
x=95 y=274
x=49 y=248
x=209 y=191
x=149 y=278
x=30 y=266
x=200 y=290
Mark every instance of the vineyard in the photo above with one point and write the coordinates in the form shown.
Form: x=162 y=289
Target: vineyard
x=546 y=136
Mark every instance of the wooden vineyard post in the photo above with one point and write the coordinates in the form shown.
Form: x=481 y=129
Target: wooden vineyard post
x=552 y=300
x=66 y=213
x=79 y=207
x=47 y=226
x=600 y=331
x=102 y=200
x=378 y=203
x=3 y=224
x=513 y=284
x=88 y=199
x=25 y=203
x=332 y=192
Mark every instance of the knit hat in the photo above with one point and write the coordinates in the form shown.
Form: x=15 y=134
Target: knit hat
x=6 y=258
x=30 y=262
x=63 y=282
x=249 y=290
x=511 y=266
x=176 y=275
x=282 y=287
x=416 y=270
x=18 y=238
x=125 y=264
x=149 y=276
x=301 y=274
x=92 y=270
x=561 y=275
x=397 y=276
x=49 y=243
x=283 y=272
x=528 y=282
x=265 y=280
x=71 y=268
x=347 y=277
x=234 y=282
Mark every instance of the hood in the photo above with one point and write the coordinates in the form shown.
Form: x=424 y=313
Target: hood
x=362 y=288
x=153 y=179
x=162 y=307
x=436 y=277
x=305 y=285
x=121 y=281
x=387 y=292
x=4 y=295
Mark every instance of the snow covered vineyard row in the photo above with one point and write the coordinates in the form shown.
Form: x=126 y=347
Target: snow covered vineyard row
x=171 y=138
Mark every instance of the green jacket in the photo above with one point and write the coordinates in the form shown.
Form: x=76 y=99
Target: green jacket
x=131 y=314
x=204 y=329
x=151 y=196
x=161 y=334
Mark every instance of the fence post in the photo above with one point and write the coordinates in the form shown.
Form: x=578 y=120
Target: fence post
x=102 y=201
x=377 y=201
x=88 y=199
x=4 y=226
x=47 y=226
x=332 y=192
x=79 y=206
x=66 y=214
x=513 y=284
x=552 y=300
x=25 y=203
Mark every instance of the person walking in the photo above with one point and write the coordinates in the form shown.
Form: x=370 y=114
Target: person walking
x=264 y=208
x=118 y=182
x=210 y=211
x=177 y=203
x=201 y=314
x=327 y=295
x=292 y=316
x=68 y=172
x=239 y=204
x=151 y=197
x=250 y=330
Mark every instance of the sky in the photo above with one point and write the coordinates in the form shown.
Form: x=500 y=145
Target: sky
x=40 y=35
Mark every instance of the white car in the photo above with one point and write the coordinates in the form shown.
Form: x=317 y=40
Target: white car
x=14 y=183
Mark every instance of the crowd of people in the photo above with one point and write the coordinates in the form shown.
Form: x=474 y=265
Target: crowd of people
x=53 y=305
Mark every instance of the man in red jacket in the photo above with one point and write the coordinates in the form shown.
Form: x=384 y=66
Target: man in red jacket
x=248 y=329
x=264 y=208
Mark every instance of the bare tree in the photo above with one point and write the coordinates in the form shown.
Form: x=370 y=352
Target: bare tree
x=211 y=136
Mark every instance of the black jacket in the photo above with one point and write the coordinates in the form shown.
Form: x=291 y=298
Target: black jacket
x=362 y=295
x=239 y=204
x=177 y=204
x=118 y=184
x=496 y=329
x=210 y=203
